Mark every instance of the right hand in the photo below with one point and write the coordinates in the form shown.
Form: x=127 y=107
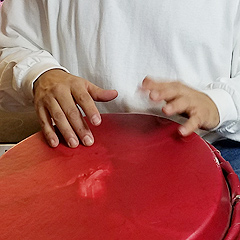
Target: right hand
x=56 y=94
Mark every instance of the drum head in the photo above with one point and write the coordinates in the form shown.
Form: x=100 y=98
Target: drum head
x=140 y=180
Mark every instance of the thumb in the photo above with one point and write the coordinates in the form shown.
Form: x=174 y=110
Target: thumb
x=148 y=83
x=101 y=95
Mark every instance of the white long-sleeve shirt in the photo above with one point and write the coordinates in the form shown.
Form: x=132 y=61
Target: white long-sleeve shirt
x=116 y=43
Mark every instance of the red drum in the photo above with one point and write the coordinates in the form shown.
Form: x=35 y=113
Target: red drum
x=139 y=181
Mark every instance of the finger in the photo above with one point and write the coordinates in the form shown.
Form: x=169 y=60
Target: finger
x=75 y=118
x=47 y=127
x=148 y=83
x=166 y=91
x=101 y=95
x=191 y=125
x=62 y=123
x=177 y=106
x=85 y=101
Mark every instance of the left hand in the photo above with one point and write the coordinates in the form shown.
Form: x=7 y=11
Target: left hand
x=181 y=99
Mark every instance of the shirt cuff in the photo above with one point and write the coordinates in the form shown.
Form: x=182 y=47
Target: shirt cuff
x=225 y=105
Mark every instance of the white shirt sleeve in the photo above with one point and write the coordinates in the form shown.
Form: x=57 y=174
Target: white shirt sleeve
x=22 y=58
x=225 y=92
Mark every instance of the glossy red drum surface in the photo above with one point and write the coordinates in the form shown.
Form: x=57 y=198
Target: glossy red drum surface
x=139 y=181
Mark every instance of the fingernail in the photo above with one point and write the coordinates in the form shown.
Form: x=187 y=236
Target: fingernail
x=53 y=143
x=182 y=131
x=72 y=143
x=96 y=120
x=167 y=109
x=87 y=141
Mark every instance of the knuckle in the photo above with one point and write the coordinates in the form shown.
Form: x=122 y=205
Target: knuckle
x=83 y=129
x=82 y=98
x=73 y=113
x=177 y=84
x=66 y=132
x=198 y=121
x=43 y=124
x=46 y=102
x=180 y=88
x=43 y=100
x=57 y=89
x=48 y=134
x=58 y=116
x=77 y=82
